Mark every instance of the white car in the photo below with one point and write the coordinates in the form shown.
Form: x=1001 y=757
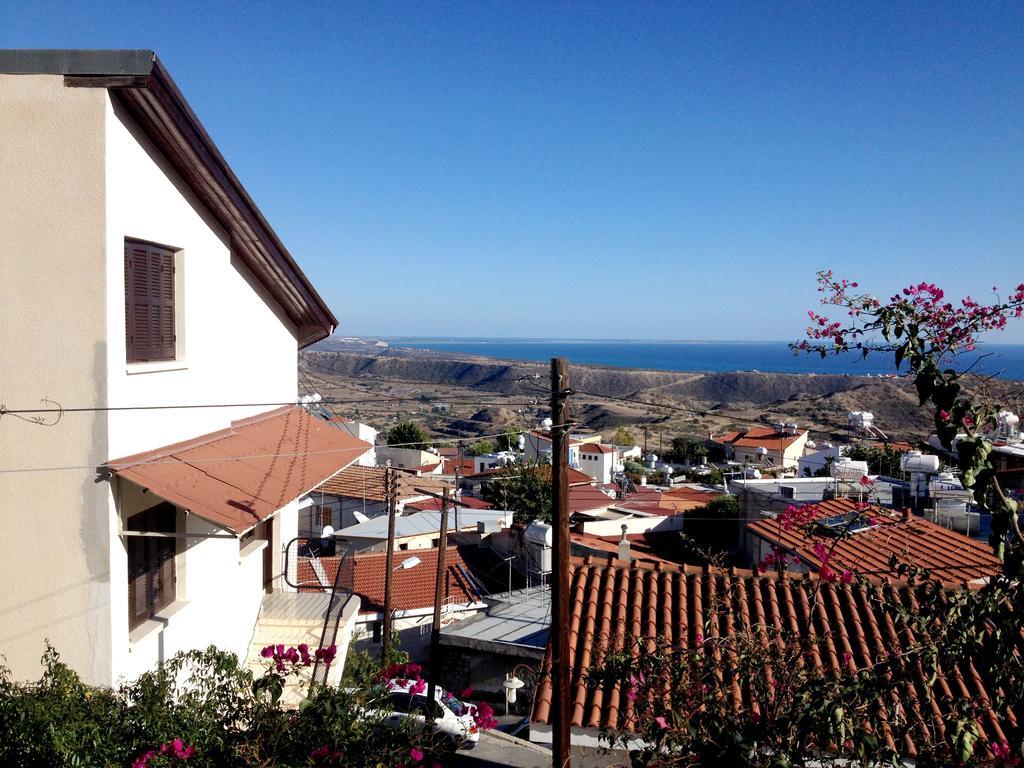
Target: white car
x=446 y=715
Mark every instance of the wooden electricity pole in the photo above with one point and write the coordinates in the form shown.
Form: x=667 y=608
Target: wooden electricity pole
x=391 y=485
x=435 y=632
x=560 y=680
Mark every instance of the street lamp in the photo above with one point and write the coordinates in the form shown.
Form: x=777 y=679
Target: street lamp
x=405 y=565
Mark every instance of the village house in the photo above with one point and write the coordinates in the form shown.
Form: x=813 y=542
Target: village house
x=537 y=446
x=776 y=447
x=360 y=493
x=865 y=541
x=145 y=522
x=600 y=461
x=414 y=579
x=360 y=431
x=412 y=459
x=421 y=530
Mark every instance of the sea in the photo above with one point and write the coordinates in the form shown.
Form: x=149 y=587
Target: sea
x=1005 y=361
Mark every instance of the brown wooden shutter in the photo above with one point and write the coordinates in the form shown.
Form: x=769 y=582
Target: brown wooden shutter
x=151 y=567
x=149 y=302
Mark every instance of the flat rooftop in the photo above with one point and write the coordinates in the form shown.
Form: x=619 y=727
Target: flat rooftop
x=519 y=622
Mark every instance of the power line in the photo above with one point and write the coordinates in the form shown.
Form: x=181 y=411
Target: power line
x=4 y=411
x=357 y=450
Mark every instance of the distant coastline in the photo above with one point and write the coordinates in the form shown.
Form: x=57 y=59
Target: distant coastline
x=1004 y=360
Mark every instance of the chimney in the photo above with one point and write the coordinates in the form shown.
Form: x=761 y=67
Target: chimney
x=624 y=545
x=907 y=514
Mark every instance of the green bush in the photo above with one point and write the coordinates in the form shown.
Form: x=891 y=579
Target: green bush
x=199 y=709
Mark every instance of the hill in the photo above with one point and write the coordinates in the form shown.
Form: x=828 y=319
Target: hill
x=459 y=394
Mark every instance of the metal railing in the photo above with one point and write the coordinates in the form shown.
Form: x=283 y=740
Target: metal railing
x=308 y=568
x=341 y=593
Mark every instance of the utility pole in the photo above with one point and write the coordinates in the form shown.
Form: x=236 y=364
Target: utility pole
x=391 y=483
x=560 y=680
x=435 y=633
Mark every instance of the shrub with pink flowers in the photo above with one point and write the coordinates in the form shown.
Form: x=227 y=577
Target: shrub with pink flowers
x=682 y=697
x=202 y=709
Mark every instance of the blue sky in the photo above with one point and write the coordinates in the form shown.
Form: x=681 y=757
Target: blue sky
x=594 y=170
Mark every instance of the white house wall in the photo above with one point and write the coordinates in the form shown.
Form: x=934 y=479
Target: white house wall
x=233 y=347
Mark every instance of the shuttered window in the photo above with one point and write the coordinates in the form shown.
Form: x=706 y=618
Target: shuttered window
x=151 y=575
x=148 y=302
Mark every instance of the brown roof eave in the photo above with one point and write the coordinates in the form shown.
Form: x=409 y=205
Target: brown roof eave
x=154 y=101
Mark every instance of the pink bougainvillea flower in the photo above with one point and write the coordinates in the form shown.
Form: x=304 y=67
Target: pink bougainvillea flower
x=865 y=480
x=415 y=754
x=466 y=693
x=662 y=723
x=820 y=551
x=846 y=577
x=826 y=573
x=847 y=657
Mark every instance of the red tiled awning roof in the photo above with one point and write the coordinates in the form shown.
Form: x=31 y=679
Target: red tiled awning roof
x=242 y=475
x=952 y=557
x=614 y=606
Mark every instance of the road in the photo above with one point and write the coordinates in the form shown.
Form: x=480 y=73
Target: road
x=497 y=750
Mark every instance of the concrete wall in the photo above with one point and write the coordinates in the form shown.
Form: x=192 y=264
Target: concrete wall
x=405 y=458
x=54 y=525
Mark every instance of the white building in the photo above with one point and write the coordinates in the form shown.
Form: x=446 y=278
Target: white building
x=486 y=461
x=815 y=461
x=139 y=274
x=599 y=461
x=778 y=446
x=363 y=432
x=537 y=447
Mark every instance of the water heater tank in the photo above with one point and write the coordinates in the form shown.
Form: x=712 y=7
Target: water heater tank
x=915 y=461
x=845 y=469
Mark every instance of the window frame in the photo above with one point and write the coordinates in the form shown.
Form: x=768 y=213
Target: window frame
x=162 y=293
x=153 y=559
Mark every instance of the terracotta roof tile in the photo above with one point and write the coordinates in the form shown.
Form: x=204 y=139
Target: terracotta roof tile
x=759 y=437
x=614 y=606
x=241 y=475
x=465 y=466
x=433 y=504
x=584 y=497
x=411 y=588
x=952 y=557
x=369 y=483
x=575 y=476
x=608 y=546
